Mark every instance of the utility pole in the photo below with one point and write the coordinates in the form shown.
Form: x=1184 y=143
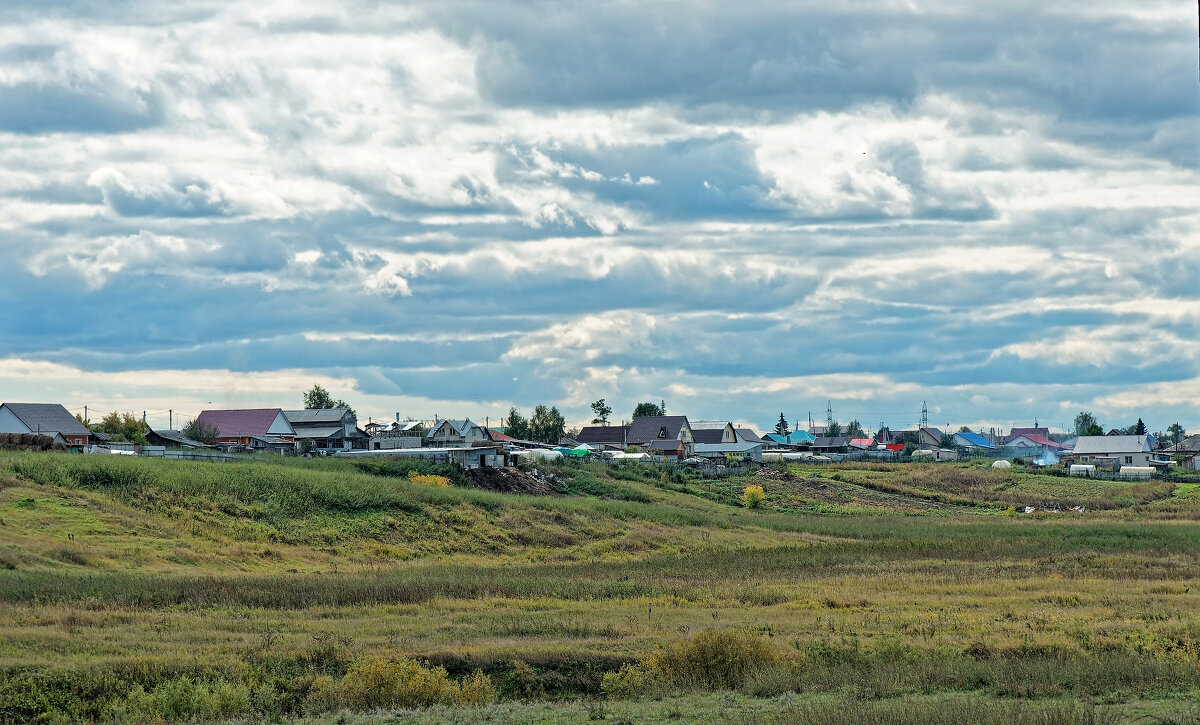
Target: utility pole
x=85 y=415
x=170 y=420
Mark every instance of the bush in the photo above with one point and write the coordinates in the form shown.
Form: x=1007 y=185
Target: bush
x=721 y=660
x=404 y=684
x=752 y=496
x=429 y=479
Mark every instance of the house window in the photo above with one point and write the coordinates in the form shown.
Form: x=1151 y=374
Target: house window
x=662 y=432
x=1128 y=460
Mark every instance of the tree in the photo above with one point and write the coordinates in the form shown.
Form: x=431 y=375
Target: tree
x=1176 y=433
x=1140 y=428
x=964 y=429
x=781 y=428
x=602 y=410
x=946 y=441
x=833 y=431
x=517 y=426
x=546 y=424
x=854 y=429
x=202 y=432
x=883 y=435
x=1087 y=425
x=647 y=410
x=318 y=398
x=123 y=427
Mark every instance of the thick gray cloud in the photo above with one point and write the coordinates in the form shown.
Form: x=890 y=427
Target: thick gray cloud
x=455 y=207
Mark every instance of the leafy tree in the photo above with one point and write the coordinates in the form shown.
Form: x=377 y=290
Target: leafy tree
x=1176 y=433
x=546 y=424
x=946 y=441
x=833 y=431
x=781 y=428
x=517 y=426
x=884 y=434
x=854 y=429
x=202 y=432
x=123 y=427
x=964 y=429
x=1087 y=425
x=647 y=410
x=602 y=410
x=318 y=398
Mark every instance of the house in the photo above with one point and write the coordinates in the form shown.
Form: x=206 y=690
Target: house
x=660 y=428
x=973 y=442
x=327 y=429
x=1186 y=452
x=1016 y=432
x=745 y=435
x=900 y=436
x=455 y=434
x=714 y=431
x=1114 y=451
x=605 y=436
x=48 y=419
x=1035 y=444
x=929 y=437
x=834 y=444
x=670 y=448
x=258 y=429
x=172 y=439
x=730 y=453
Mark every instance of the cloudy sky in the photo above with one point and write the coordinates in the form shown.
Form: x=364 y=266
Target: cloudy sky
x=451 y=207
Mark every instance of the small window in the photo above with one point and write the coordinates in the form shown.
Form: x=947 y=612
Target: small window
x=662 y=432
x=1129 y=460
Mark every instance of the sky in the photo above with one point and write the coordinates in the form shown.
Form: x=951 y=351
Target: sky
x=453 y=207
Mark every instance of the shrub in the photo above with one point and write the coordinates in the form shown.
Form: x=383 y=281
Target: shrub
x=718 y=660
x=404 y=684
x=752 y=496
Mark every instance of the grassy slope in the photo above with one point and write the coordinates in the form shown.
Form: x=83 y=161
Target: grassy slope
x=177 y=562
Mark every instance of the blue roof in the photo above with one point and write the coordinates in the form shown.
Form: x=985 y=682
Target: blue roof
x=776 y=437
x=801 y=436
x=975 y=439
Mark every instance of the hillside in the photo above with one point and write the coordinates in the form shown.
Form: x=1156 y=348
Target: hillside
x=120 y=575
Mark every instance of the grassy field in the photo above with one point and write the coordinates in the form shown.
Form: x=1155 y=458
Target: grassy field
x=139 y=590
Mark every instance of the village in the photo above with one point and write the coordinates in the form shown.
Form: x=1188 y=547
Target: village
x=715 y=447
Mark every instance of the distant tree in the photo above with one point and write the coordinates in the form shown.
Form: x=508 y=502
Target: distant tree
x=601 y=410
x=1087 y=425
x=318 y=398
x=833 y=431
x=1176 y=433
x=964 y=429
x=1139 y=428
x=546 y=424
x=884 y=434
x=781 y=428
x=946 y=441
x=123 y=427
x=517 y=426
x=854 y=429
x=908 y=437
x=647 y=410
x=202 y=432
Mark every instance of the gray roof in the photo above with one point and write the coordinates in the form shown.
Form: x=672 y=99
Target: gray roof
x=749 y=436
x=1093 y=445
x=321 y=432
x=47 y=417
x=316 y=415
x=708 y=424
x=834 y=442
x=179 y=438
x=656 y=427
x=708 y=435
x=461 y=427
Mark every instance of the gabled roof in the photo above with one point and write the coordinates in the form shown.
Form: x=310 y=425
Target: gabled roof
x=800 y=436
x=498 y=437
x=862 y=442
x=935 y=432
x=603 y=434
x=1044 y=432
x=241 y=423
x=672 y=444
x=775 y=438
x=708 y=424
x=748 y=436
x=1038 y=440
x=47 y=417
x=461 y=427
x=316 y=415
x=827 y=442
x=656 y=427
x=974 y=439
x=329 y=431
x=178 y=438
x=708 y=435
x=1101 y=445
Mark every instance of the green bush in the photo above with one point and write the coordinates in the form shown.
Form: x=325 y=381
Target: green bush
x=717 y=660
x=401 y=684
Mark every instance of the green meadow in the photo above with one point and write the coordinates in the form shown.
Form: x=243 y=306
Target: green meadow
x=147 y=591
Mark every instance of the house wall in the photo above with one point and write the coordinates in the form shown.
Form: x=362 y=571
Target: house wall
x=281 y=427
x=10 y=423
